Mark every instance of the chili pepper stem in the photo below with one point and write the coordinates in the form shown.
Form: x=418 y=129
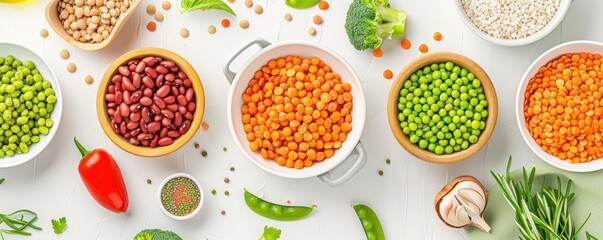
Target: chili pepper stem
x=79 y=146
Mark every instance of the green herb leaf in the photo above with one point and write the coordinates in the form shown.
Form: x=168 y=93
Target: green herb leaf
x=590 y=237
x=270 y=233
x=59 y=225
x=192 y=5
x=1 y=180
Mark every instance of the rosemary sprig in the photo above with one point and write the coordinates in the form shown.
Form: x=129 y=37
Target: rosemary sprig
x=544 y=215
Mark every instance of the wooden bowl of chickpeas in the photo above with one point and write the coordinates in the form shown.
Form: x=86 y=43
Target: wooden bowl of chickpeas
x=89 y=24
x=297 y=110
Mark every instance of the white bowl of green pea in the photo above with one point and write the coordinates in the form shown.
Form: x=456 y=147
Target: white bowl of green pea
x=30 y=105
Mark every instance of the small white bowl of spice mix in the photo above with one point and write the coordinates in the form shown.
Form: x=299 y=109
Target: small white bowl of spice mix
x=180 y=196
x=512 y=22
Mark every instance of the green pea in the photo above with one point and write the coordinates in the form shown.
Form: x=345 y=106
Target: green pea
x=35 y=139
x=43 y=130
x=275 y=211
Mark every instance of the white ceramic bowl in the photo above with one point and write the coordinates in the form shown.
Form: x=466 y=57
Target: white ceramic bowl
x=24 y=54
x=553 y=53
x=351 y=149
x=172 y=216
x=555 y=21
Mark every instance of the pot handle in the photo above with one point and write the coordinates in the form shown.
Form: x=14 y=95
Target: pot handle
x=230 y=75
x=358 y=156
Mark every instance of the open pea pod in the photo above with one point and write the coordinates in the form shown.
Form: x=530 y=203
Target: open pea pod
x=276 y=211
x=370 y=222
x=301 y=4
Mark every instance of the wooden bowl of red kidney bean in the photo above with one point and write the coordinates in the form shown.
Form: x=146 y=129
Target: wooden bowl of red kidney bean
x=150 y=102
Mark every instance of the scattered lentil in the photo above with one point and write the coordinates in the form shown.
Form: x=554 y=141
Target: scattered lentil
x=180 y=196
x=225 y=23
x=149 y=181
x=378 y=52
x=211 y=29
x=312 y=31
x=205 y=126
x=159 y=17
x=388 y=161
x=288 y=201
x=323 y=5
x=213 y=192
x=405 y=44
x=248 y=3
x=88 y=79
x=71 y=67
x=166 y=5
x=151 y=26
x=204 y=153
x=388 y=74
x=258 y=9
x=288 y=17
x=227 y=193
x=44 y=33
x=224 y=212
x=380 y=172
x=197 y=145
x=510 y=19
x=423 y=48
x=317 y=19
x=232 y=169
x=226 y=180
x=184 y=33
x=224 y=149
x=244 y=24
x=151 y=9
x=437 y=36
x=64 y=54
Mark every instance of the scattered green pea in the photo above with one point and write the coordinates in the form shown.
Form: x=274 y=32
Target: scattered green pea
x=276 y=211
x=442 y=108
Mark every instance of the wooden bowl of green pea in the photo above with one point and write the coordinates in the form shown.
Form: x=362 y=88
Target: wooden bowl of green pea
x=442 y=108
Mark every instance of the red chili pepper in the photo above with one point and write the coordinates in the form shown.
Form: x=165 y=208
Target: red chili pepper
x=101 y=175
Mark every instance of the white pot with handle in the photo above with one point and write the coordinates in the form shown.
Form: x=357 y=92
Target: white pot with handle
x=348 y=160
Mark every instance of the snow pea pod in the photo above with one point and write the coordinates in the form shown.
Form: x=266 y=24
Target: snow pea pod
x=276 y=211
x=370 y=222
x=300 y=4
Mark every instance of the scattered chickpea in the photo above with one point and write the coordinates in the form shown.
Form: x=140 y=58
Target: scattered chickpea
x=64 y=54
x=166 y=5
x=258 y=9
x=151 y=9
x=71 y=67
x=184 y=32
x=159 y=17
x=317 y=19
x=211 y=29
x=88 y=79
x=244 y=24
x=288 y=17
x=248 y=3
x=312 y=31
x=44 y=33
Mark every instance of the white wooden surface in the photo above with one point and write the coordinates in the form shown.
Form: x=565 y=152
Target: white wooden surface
x=403 y=197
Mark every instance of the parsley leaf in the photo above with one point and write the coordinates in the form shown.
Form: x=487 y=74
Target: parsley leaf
x=192 y=5
x=270 y=233
x=59 y=225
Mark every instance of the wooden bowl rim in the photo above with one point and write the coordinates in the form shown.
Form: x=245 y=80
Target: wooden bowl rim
x=199 y=102
x=489 y=91
x=52 y=14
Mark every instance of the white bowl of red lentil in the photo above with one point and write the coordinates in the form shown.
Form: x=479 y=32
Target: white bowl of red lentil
x=345 y=161
x=553 y=122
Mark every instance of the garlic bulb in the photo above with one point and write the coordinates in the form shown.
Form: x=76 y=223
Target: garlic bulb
x=462 y=202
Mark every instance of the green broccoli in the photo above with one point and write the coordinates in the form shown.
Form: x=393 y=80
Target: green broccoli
x=369 y=21
x=156 y=234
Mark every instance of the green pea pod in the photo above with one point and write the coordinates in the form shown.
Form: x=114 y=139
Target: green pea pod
x=370 y=222
x=275 y=211
x=300 y=4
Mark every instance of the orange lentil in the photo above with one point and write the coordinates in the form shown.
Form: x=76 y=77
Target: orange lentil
x=437 y=36
x=378 y=52
x=151 y=26
x=205 y=126
x=423 y=48
x=323 y=5
x=296 y=111
x=225 y=23
x=317 y=19
x=405 y=44
x=388 y=74
x=561 y=107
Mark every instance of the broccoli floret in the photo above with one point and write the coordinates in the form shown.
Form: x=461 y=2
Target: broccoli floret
x=368 y=21
x=156 y=234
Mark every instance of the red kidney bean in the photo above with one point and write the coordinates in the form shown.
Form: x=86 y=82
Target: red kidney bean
x=166 y=121
x=159 y=80
x=119 y=97
x=146 y=117
x=118 y=86
x=182 y=75
x=132 y=125
x=178 y=119
x=122 y=128
x=111 y=105
x=173 y=134
x=144 y=136
x=189 y=94
x=111 y=89
x=169 y=99
x=136 y=79
x=155 y=141
x=123 y=70
x=181 y=90
x=128 y=85
x=170 y=77
x=165 y=141
x=163 y=132
x=163 y=91
x=116 y=78
x=151 y=72
x=145 y=143
x=187 y=83
x=110 y=97
x=132 y=67
x=167 y=113
x=160 y=103
x=172 y=107
x=127 y=97
x=181 y=109
x=117 y=116
x=158 y=59
x=191 y=106
x=162 y=69
x=185 y=126
x=146 y=101
x=181 y=100
x=133 y=62
x=155 y=109
x=168 y=64
x=148 y=82
x=175 y=91
x=134 y=108
x=136 y=96
x=174 y=69
x=149 y=60
x=157 y=118
x=153 y=127
x=135 y=117
x=171 y=127
x=147 y=92
x=178 y=82
x=140 y=67
x=115 y=126
x=143 y=126
x=127 y=135
x=135 y=132
x=134 y=141
x=124 y=109
x=188 y=115
x=110 y=111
